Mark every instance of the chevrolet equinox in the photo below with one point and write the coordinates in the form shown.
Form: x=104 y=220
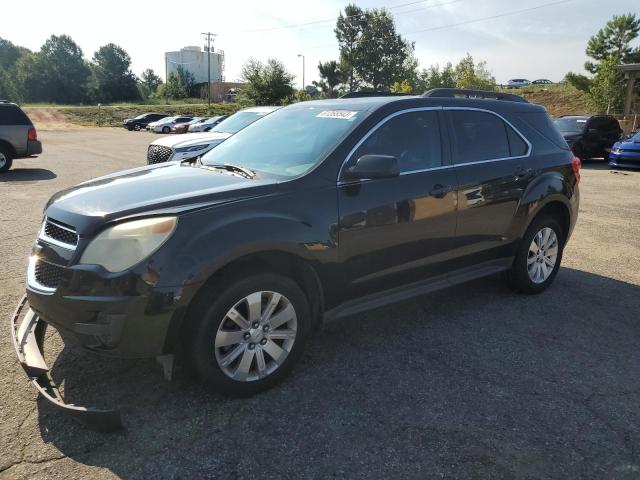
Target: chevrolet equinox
x=323 y=209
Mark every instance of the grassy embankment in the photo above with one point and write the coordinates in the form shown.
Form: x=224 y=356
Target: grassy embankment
x=557 y=99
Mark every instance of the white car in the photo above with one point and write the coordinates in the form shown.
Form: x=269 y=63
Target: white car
x=518 y=82
x=206 y=124
x=192 y=145
x=164 y=125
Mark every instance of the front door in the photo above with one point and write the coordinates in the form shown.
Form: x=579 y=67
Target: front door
x=398 y=230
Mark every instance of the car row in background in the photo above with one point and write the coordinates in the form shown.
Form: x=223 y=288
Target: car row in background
x=206 y=124
x=193 y=145
x=523 y=82
x=161 y=123
x=141 y=121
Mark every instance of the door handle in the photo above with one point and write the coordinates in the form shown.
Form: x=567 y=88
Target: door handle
x=524 y=173
x=439 y=190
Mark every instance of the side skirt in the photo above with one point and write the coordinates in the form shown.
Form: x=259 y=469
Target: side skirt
x=405 y=292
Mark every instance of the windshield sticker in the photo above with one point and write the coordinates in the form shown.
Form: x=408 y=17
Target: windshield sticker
x=342 y=114
x=581 y=121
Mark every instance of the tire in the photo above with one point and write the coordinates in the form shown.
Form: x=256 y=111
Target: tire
x=136 y=127
x=525 y=276
x=129 y=127
x=166 y=130
x=6 y=159
x=234 y=368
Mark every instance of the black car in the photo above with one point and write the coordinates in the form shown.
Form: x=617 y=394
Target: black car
x=141 y=121
x=323 y=209
x=589 y=137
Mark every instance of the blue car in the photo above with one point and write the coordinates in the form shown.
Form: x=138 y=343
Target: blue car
x=626 y=153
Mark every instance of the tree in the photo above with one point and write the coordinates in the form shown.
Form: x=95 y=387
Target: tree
x=267 y=84
x=470 y=75
x=331 y=78
x=614 y=39
x=174 y=87
x=434 y=78
x=579 y=81
x=607 y=86
x=151 y=80
x=187 y=80
x=9 y=56
x=112 y=77
x=349 y=28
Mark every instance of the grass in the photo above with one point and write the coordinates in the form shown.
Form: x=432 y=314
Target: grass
x=112 y=115
x=560 y=99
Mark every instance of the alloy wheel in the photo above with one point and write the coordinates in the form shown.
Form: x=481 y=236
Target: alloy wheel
x=3 y=160
x=256 y=336
x=543 y=255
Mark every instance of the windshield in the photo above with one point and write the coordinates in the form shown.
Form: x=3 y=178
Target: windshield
x=288 y=142
x=141 y=116
x=635 y=137
x=570 y=125
x=211 y=120
x=238 y=121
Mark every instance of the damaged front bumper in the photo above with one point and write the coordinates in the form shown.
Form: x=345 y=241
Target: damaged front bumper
x=28 y=339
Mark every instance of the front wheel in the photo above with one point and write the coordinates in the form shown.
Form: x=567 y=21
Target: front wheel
x=136 y=127
x=538 y=257
x=166 y=129
x=250 y=336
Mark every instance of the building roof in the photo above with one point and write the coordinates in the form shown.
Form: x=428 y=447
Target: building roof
x=628 y=67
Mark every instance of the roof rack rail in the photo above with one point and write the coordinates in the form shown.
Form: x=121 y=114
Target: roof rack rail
x=468 y=93
x=373 y=94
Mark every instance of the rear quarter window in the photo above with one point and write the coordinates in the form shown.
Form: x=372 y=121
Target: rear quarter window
x=542 y=124
x=12 y=115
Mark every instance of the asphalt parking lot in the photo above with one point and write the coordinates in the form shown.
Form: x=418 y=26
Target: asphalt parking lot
x=471 y=382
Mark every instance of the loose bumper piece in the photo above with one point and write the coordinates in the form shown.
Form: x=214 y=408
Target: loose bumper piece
x=28 y=340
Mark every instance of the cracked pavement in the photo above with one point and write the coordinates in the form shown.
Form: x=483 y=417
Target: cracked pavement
x=471 y=382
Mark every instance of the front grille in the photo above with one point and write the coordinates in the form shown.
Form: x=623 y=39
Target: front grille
x=158 y=154
x=47 y=274
x=59 y=233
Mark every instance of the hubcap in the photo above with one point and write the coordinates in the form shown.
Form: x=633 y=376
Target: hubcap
x=543 y=255
x=3 y=160
x=256 y=336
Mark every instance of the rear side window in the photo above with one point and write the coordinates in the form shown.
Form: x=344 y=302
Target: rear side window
x=12 y=115
x=413 y=138
x=479 y=136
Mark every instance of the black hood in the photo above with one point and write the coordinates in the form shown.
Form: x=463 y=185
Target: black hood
x=172 y=187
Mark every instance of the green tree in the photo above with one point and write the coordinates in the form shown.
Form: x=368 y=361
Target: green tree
x=433 y=77
x=607 y=86
x=471 y=75
x=614 y=39
x=113 y=79
x=349 y=28
x=331 y=78
x=10 y=54
x=266 y=84
x=174 y=87
x=579 y=81
x=151 y=80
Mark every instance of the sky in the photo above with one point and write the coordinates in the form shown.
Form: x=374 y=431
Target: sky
x=518 y=39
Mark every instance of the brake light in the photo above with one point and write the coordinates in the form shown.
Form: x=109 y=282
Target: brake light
x=576 y=164
x=32 y=134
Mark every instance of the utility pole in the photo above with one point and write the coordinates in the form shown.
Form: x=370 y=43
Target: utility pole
x=209 y=35
x=300 y=55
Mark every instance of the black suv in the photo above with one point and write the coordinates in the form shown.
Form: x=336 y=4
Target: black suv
x=141 y=121
x=589 y=137
x=18 y=136
x=321 y=210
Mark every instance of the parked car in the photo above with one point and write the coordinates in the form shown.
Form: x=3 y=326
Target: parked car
x=518 y=82
x=184 y=127
x=193 y=145
x=207 y=124
x=141 y=121
x=626 y=153
x=587 y=136
x=18 y=136
x=322 y=209
x=542 y=81
x=164 y=125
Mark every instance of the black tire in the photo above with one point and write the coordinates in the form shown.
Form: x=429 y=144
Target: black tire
x=518 y=277
x=136 y=127
x=209 y=312
x=129 y=127
x=6 y=159
x=166 y=129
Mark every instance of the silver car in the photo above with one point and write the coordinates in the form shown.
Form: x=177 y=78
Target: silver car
x=18 y=137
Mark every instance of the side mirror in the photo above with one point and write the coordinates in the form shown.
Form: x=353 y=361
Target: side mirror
x=374 y=166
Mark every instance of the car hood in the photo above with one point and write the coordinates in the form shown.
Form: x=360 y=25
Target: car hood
x=189 y=139
x=164 y=188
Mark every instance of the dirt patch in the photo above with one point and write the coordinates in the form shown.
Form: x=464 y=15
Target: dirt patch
x=49 y=118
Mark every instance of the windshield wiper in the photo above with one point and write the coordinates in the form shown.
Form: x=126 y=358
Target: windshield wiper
x=245 y=172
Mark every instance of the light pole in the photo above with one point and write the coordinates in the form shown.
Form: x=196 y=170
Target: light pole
x=300 y=55
x=209 y=35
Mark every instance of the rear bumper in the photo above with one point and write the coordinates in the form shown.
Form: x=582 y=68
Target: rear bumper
x=34 y=147
x=27 y=334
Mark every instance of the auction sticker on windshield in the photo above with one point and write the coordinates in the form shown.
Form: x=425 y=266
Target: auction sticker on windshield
x=342 y=114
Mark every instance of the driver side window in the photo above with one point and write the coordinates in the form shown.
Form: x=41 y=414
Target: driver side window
x=413 y=138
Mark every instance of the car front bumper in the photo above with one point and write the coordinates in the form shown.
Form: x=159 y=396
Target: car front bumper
x=28 y=333
x=626 y=160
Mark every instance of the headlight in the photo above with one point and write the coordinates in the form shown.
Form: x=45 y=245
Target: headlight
x=615 y=150
x=123 y=245
x=193 y=148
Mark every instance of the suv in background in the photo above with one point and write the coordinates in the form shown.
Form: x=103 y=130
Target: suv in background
x=518 y=82
x=322 y=209
x=141 y=121
x=587 y=136
x=18 y=136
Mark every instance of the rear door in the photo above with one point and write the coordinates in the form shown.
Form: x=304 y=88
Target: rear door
x=493 y=170
x=397 y=230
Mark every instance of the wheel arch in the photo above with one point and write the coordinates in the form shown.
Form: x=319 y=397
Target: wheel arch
x=8 y=146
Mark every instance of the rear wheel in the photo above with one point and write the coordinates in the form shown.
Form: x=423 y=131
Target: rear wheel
x=6 y=159
x=250 y=336
x=538 y=258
